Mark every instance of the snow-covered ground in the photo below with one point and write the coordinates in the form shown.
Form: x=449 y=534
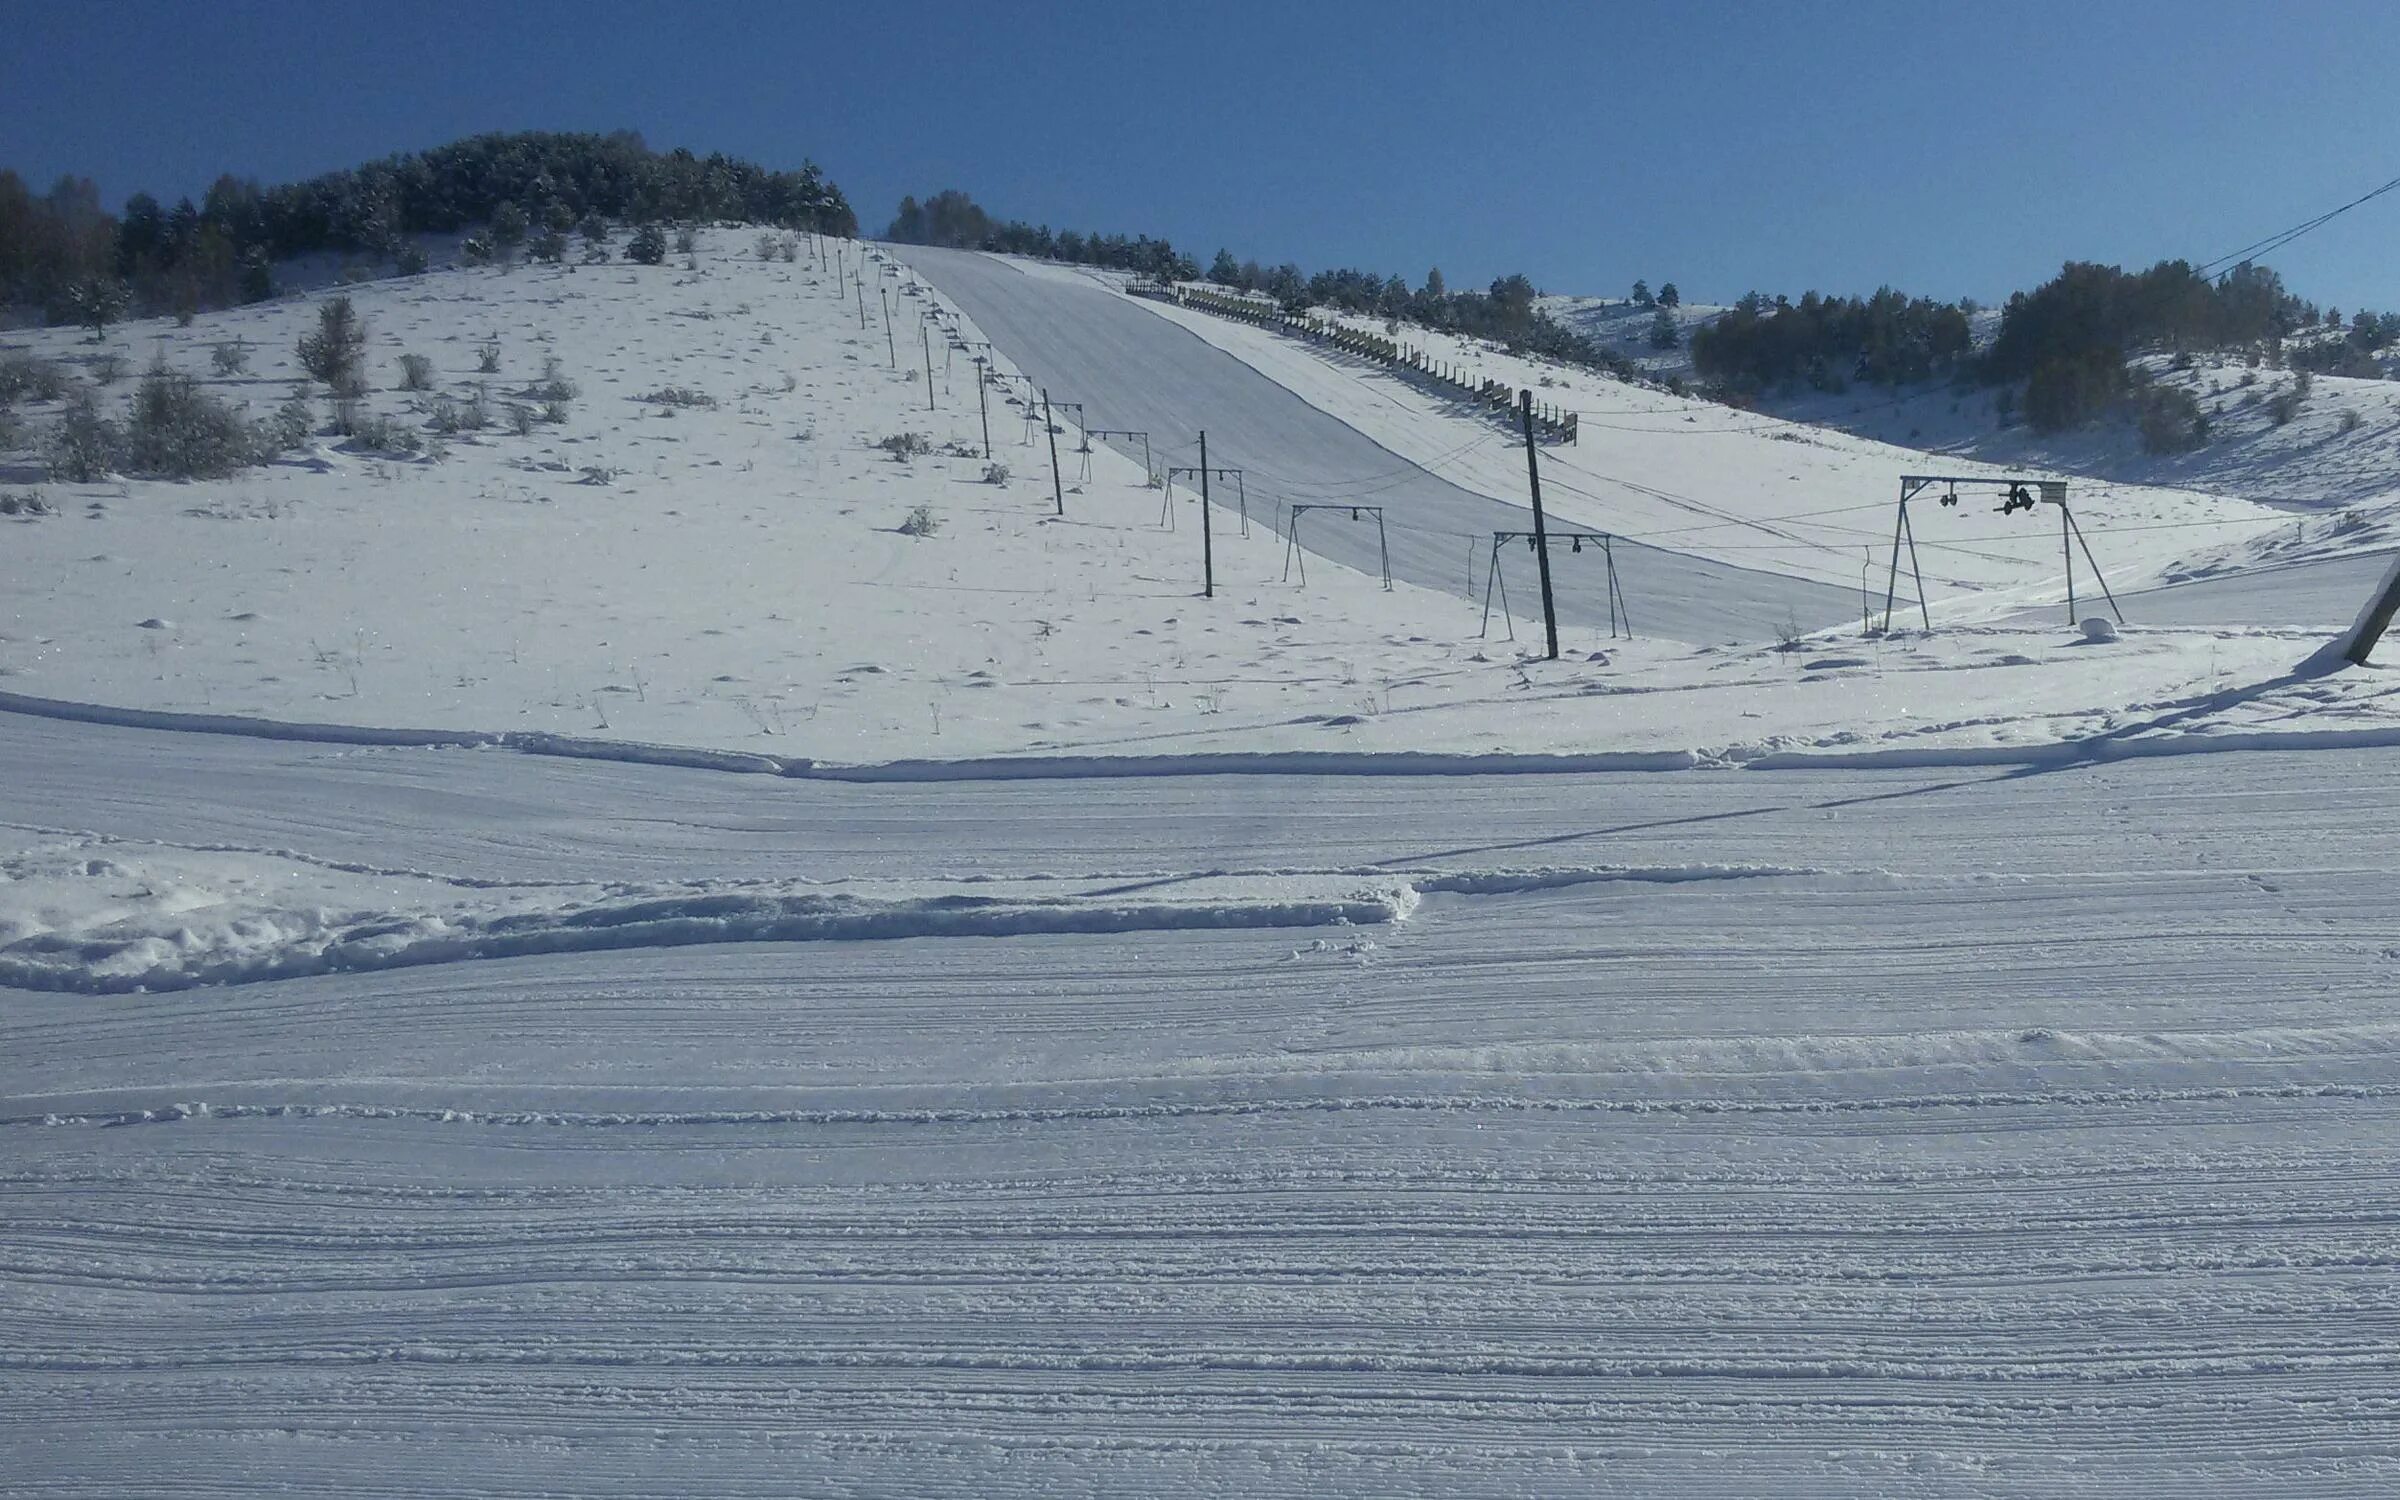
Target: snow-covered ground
x=1119 y=1042
x=740 y=583
x=1938 y=1133
x=1764 y=492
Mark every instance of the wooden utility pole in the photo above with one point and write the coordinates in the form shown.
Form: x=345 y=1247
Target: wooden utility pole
x=2374 y=620
x=1208 y=554
x=983 y=405
x=1541 y=530
x=1058 y=491
x=891 y=350
x=927 y=340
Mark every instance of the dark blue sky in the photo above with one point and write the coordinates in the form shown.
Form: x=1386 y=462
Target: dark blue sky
x=1950 y=149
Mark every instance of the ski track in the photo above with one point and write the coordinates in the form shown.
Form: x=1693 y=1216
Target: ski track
x=1136 y=370
x=1912 y=1133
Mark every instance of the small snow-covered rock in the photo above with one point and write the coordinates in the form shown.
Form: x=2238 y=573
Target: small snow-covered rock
x=2099 y=628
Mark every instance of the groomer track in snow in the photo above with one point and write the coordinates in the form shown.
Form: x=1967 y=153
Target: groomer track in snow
x=1961 y=1132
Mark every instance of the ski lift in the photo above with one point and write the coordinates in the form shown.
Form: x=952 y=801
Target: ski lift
x=2019 y=498
x=1950 y=500
x=1578 y=544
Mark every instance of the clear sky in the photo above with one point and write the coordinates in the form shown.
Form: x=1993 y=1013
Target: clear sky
x=1946 y=148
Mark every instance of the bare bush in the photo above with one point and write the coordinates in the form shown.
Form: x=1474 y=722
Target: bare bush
x=229 y=358
x=108 y=369
x=995 y=473
x=921 y=522
x=903 y=446
x=678 y=395
x=487 y=357
x=416 y=373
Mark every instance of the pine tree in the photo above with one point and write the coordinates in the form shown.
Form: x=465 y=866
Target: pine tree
x=1669 y=297
x=98 y=302
x=336 y=353
x=508 y=229
x=1641 y=294
x=1224 y=271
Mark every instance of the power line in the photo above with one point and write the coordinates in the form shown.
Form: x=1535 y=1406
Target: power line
x=2284 y=237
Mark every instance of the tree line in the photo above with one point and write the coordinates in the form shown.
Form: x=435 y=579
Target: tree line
x=60 y=249
x=2069 y=344
x=1504 y=312
x=952 y=220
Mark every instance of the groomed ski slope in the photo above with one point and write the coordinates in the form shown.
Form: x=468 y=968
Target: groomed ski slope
x=1962 y=1132
x=1136 y=370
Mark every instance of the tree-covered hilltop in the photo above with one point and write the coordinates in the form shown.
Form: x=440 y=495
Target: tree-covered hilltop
x=54 y=247
x=1827 y=342
x=953 y=220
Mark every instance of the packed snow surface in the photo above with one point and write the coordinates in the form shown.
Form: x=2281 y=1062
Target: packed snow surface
x=1946 y=1132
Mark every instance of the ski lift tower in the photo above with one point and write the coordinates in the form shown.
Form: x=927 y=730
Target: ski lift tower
x=2017 y=493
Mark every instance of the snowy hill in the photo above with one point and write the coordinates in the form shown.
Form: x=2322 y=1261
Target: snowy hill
x=2341 y=449
x=708 y=552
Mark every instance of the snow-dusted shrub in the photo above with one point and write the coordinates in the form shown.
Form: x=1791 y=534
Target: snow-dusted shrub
x=229 y=358
x=487 y=357
x=554 y=386
x=2352 y=421
x=767 y=246
x=411 y=260
x=648 y=246
x=2171 y=420
x=83 y=445
x=471 y=415
x=178 y=431
x=686 y=242
x=29 y=376
x=679 y=395
x=372 y=432
x=416 y=373
x=289 y=428
x=25 y=503
x=2286 y=403
x=903 y=446
x=995 y=473
x=520 y=419
x=921 y=522
x=336 y=352
x=108 y=369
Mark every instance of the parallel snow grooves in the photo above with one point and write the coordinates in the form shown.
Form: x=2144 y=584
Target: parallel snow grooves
x=1847 y=1135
